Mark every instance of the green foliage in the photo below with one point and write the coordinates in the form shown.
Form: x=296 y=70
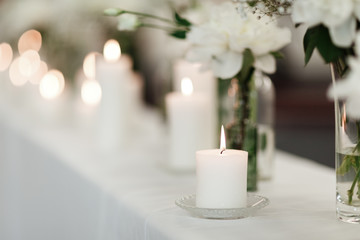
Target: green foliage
x=247 y=68
x=181 y=21
x=345 y=165
x=318 y=37
x=181 y=34
x=263 y=141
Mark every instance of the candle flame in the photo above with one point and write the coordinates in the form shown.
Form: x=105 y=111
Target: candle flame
x=112 y=51
x=222 y=140
x=186 y=86
x=89 y=65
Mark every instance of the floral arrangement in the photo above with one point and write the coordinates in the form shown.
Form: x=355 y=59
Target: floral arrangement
x=232 y=45
x=333 y=31
x=225 y=41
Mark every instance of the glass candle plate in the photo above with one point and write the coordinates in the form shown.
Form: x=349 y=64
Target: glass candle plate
x=254 y=202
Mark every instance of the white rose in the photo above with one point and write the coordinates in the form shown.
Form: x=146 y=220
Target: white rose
x=219 y=43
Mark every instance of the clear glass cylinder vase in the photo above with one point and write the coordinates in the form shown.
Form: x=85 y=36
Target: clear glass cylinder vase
x=237 y=112
x=347 y=157
x=265 y=125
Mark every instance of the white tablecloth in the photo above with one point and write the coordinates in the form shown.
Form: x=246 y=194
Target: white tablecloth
x=55 y=184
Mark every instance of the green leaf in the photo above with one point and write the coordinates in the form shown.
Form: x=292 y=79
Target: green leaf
x=319 y=37
x=181 y=34
x=345 y=166
x=277 y=55
x=182 y=21
x=310 y=42
x=327 y=49
x=251 y=3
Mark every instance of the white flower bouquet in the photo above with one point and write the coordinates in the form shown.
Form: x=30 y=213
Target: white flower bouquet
x=232 y=45
x=333 y=29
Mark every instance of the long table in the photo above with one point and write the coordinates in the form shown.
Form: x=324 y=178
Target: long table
x=56 y=184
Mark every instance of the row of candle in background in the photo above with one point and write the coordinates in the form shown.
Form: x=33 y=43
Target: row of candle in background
x=108 y=81
x=111 y=97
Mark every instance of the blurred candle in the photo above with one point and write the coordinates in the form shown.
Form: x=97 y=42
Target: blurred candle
x=188 y=115
x=221 y=177
x=114 y=76
x=205 y=83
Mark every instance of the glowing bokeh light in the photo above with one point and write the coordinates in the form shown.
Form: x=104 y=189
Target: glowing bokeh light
x=16 y=78
x=37 y=76
x=29 y=40
x=29 y=63
x=6 y=55
x=91 y=92
x=52 y=84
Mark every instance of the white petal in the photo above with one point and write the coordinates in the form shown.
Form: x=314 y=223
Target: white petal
x=305 y=12
x=353 y=106
x=227 y=65
x=266 y=63
x=203 y=53
x=344 y=34
x=336 y=14
x=204 y=35
x=341 y=89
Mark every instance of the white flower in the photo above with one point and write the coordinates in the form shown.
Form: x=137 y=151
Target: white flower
x=349 y=89
x=127 y=22
x=338 y=16
x=220 y=41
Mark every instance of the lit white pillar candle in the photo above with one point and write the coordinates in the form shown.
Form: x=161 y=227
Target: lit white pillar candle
x=189 y=127
x=221 y=177
x=114 y=76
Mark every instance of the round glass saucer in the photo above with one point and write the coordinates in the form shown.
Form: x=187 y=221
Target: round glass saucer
x=254 y=203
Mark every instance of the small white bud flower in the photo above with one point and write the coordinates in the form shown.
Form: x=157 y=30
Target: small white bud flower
x=111 y=12
x=128 y=22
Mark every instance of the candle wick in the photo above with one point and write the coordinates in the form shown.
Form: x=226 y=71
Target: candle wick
x=222 y=150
